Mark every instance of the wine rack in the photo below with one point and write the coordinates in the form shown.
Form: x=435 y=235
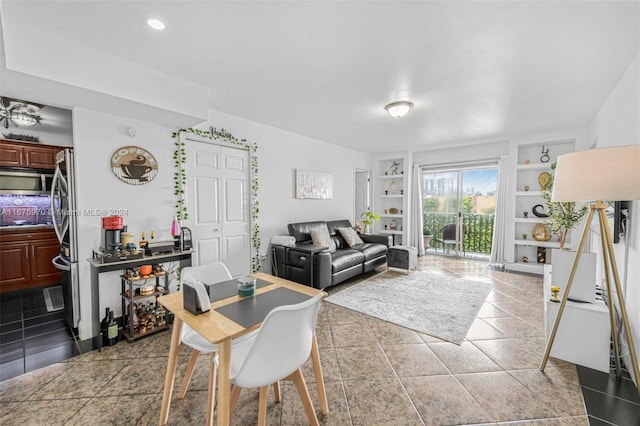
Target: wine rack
x=142 y=314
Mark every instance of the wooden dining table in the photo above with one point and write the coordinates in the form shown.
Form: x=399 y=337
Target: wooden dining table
x=220 y=330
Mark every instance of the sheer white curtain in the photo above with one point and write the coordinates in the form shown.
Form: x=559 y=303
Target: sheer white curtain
x=499 y=226
x=415 y=237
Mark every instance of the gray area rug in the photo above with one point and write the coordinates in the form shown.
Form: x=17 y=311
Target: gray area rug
x=442 y=307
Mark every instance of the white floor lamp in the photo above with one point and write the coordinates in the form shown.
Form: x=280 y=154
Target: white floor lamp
x=611 y=174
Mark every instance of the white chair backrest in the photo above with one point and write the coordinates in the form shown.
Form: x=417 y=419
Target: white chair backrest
x=282 y=345
x=210 y=273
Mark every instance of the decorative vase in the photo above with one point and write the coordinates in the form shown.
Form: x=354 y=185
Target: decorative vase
x=541 y=232
x=541 y=255
x=562 y=237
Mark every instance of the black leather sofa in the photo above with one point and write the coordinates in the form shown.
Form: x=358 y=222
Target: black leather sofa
x=329 y=268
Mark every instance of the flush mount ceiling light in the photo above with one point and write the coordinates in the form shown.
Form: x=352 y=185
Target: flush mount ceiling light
x=155 y=24
x=18 y=113
x=398 y=109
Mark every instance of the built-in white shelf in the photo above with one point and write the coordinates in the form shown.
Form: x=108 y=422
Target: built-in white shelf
x=391 y=177
x=536 y=243
x=534 y=166
x=530 y=220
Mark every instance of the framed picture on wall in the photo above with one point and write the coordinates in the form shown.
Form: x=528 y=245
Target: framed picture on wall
x=313 y=185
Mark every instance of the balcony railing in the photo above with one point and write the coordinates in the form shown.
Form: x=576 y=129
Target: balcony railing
x=479 y=229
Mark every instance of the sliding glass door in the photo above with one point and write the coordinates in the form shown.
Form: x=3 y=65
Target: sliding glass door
x=458 y=210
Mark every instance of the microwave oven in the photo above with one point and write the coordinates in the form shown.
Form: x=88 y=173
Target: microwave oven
x=25 y=182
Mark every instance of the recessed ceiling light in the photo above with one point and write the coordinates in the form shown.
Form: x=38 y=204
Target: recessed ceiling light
x=155 y=24
x=399 y=109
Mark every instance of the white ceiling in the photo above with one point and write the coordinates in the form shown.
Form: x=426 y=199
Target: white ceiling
x=475 y=70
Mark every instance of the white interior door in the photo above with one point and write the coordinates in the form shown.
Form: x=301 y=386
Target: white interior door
x=361 y=194
x=218 y=201
x=236 y=226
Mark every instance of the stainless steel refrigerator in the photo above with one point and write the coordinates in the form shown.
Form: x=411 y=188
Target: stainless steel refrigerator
x=64 y=217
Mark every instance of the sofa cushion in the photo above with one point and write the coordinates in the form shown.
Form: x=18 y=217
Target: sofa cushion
x=346 y=258
x=350 y=236
x=320 y=237
x=371 y=250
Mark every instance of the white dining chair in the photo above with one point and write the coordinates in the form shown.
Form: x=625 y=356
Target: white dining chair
x=276 y=352
x=211 y=273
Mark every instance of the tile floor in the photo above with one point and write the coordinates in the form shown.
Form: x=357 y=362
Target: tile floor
x=376 y=373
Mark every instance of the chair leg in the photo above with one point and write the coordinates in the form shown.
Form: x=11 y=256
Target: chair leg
x=276 y=391
x=212 y=389
x=298 y=378
x=262 y=406
x=235 y=394
x=187 y=376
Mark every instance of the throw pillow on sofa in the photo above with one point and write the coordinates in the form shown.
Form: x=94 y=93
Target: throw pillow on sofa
x=350 y=236
x=320 y=237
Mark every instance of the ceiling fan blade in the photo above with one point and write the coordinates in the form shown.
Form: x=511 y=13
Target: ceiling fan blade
x=6 y=122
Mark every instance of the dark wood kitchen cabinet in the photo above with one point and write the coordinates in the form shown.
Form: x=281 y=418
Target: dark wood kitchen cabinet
x=24 y=154
x=25 y=259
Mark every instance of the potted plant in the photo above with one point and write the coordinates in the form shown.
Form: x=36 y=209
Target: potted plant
x=427 y=235
x=562 y=216
x=367 y=219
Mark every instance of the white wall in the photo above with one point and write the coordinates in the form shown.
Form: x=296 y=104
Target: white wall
x=618 y=123
x=146 y=207
x=279 y=154
x=489 y=150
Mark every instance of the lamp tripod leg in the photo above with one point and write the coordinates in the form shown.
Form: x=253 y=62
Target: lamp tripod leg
x=610 y=308
x=567 y=290
x=623 y=308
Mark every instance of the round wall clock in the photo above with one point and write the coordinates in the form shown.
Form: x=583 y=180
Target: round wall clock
x=394 y=187
x=134 y=165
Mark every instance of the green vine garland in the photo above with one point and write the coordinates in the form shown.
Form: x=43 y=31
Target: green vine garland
x=180 y=179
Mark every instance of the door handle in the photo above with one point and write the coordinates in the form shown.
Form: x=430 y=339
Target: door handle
x=215 y=229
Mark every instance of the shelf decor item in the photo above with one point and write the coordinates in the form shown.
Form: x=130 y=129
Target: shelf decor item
x=599 y=174
x=536 y=211
x=544 y=179
x=541 y=255
x=541 y=232
x=394 y=187
x=544 y=158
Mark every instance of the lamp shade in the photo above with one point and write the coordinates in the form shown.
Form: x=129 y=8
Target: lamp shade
x=604 y=174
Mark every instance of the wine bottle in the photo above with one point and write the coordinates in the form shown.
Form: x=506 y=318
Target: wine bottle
x=104 y=327
x=112 y=330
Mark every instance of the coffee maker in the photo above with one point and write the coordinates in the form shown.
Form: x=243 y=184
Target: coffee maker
x=111 y=234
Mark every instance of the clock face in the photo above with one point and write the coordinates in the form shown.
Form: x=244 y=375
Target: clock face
x=134 y=165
